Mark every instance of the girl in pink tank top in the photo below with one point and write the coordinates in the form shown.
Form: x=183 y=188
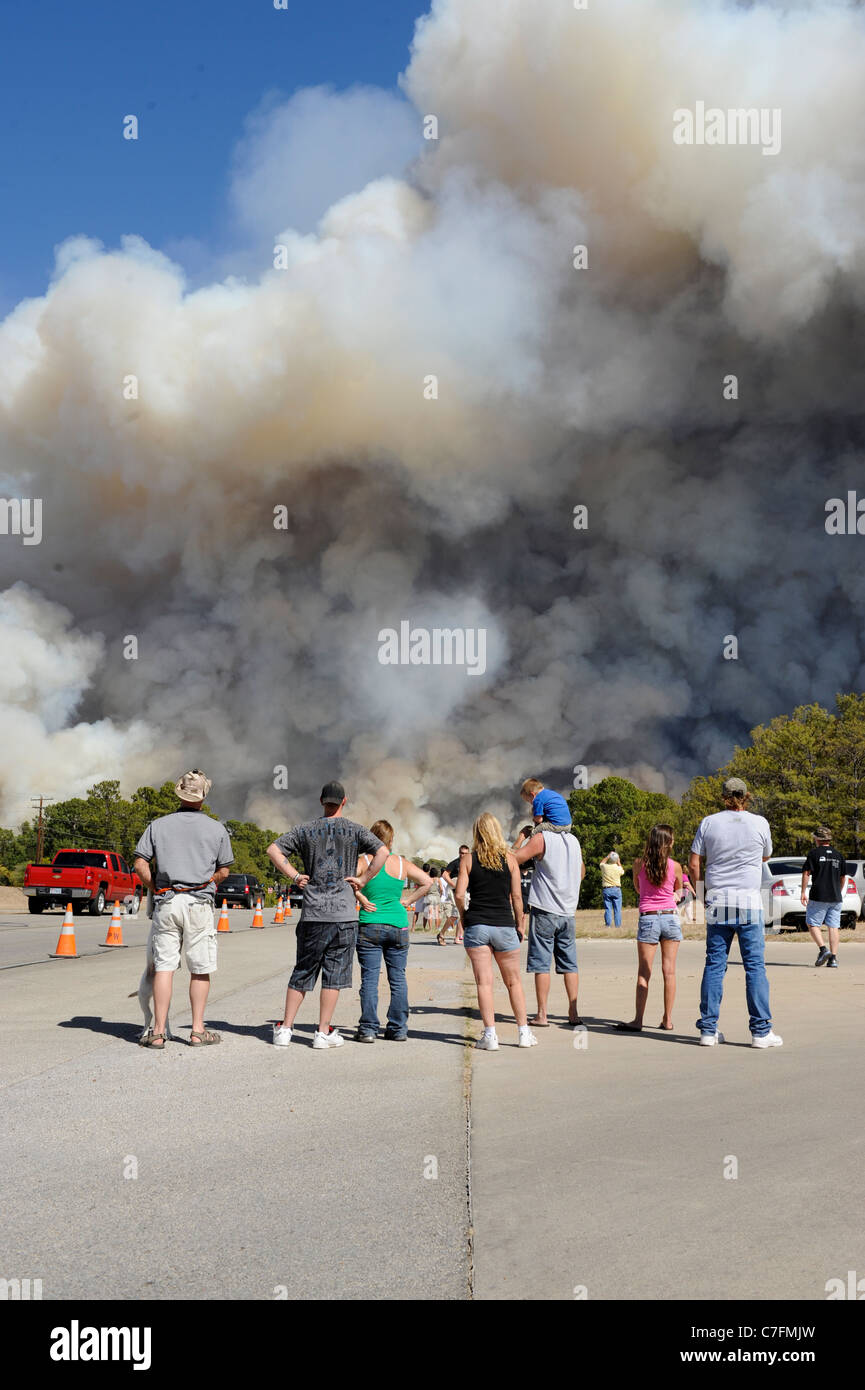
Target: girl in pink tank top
x=658 y=881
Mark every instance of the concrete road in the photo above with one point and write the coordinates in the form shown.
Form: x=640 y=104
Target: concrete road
x=246 y=1171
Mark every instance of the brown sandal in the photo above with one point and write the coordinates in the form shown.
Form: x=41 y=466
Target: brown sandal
x=205 y=1039
x=149 y=1038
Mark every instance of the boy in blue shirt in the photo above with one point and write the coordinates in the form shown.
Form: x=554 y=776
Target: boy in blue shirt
x=549 y=810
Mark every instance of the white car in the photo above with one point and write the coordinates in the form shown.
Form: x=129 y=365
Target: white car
x=782 y=895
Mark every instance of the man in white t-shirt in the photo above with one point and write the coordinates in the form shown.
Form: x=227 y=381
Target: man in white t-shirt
x=733 y=844
x=553 y=898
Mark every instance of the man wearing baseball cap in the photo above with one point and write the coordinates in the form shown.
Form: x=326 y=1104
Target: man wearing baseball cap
x=828 y=868
x=327 y=931
x=733 y=844
x=191 y=854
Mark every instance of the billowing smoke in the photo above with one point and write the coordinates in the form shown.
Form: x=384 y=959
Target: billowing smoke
x=308 y=387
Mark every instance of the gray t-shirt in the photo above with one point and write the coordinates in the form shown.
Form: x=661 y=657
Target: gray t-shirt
x=556 y=881
x=329 y=847
x=188 y=847
x=735 y=844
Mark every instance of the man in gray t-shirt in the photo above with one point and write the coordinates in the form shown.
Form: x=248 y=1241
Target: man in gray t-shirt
x=733 y=843
x=181 y=858
x=327 y=930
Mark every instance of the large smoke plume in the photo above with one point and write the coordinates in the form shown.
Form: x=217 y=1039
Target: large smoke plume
x=602 y=386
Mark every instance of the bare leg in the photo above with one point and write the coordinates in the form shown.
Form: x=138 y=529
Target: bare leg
x=509 y=965
x=542 y=991
x=326 y=1006
x=669 y=951
x=162 y=983
x=481 y=958
x=572 y=985
x=817 y=937
x=645 y=956
x=293 y=1001
x=199 y=988
x=833 y=940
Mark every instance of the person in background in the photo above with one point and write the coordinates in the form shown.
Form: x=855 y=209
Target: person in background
x=734 y=844
x=433 y=902
x=827 y=868
x=489 y=872
x=688 y=896
x=450 y=874
x=527 y=866
x=448 y=909
x=658 y=881
x=383 y=930
x=611 y=889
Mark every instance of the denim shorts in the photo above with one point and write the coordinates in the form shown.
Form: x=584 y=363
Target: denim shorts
x=822 y=914
x=551 y=935
x=659 y=926
x=324 y=946
x=499 y=938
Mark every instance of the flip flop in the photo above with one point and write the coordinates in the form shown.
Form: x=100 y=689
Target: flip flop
x=535 y=1024
x=664 y=1029
x=626 y=1028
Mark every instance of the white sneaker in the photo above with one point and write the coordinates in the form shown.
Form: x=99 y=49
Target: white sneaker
x=527 y=1038
x=769 y=1039
x=331 y=1039
x=281 y=1035
x=488 y=1042
x=710 y=1039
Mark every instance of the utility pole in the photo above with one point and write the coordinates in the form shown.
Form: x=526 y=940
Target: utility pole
x=39 y=825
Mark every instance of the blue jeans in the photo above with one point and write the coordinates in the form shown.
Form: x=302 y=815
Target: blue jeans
x=752 y=940
x=375 y=940
x=612 y=906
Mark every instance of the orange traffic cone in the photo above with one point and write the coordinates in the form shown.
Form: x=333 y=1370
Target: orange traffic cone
x=279 y=915
x=258 y=916
x=66 y=944
x=222 y=924
x=115 y=931
x=287 y=908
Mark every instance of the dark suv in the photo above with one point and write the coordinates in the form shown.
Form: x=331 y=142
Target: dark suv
x=240 y=890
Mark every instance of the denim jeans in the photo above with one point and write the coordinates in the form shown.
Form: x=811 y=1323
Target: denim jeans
x=752 y=940
x=375 y=940
x=612 y=907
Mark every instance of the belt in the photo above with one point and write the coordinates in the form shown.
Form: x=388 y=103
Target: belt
x=658 y=912
x=175 y=888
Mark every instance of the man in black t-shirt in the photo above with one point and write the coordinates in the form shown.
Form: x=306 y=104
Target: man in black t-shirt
x=450 y=874
x=827 y=868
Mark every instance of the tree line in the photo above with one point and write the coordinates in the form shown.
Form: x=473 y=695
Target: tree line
x=803 y=769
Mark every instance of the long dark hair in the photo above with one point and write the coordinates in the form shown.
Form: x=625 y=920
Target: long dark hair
x=657 y=852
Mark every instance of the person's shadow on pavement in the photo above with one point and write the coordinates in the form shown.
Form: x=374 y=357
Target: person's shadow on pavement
x=129 y=1032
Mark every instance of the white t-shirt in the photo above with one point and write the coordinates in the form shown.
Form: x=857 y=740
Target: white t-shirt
x=735 y=843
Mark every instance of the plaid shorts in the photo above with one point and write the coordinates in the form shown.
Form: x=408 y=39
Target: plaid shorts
x=324 y=946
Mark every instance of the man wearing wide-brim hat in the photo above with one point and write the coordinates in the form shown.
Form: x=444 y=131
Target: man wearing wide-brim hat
x=190 y=853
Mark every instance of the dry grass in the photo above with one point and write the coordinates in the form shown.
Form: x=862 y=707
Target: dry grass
x=590 y=924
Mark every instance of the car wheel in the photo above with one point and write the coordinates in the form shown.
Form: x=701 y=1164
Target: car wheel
x=97 y=904
x=848 y=919
x=35 y=906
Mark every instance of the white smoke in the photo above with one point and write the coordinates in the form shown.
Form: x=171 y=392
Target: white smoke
x=304 y=387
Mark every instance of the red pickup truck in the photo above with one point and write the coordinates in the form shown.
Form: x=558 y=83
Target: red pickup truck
x=86 y=878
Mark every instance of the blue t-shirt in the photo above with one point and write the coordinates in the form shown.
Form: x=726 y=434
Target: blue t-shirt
x=552 y=807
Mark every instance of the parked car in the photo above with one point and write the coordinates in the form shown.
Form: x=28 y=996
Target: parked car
x=240 y=890
x=782 y=895
x=86 y=878
x=856 y=870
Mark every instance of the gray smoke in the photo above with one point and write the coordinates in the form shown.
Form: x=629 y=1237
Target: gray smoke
x=557 y=387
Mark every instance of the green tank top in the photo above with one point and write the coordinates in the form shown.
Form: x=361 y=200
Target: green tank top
x=385 y=892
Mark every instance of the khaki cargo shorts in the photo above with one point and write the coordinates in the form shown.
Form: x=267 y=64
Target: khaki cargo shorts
x=183 y=920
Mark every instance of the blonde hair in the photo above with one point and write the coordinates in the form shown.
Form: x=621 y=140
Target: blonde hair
x=488 y=842
x=531 y=787
x=383 y=830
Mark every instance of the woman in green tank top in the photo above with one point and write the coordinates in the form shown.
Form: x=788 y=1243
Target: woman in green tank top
x=383 y=931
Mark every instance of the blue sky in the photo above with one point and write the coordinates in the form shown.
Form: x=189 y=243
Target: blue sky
x=191 y=70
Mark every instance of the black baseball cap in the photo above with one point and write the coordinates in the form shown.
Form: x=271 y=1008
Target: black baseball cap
x=332 y=794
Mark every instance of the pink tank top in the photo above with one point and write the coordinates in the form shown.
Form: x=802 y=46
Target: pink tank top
x=655 y=898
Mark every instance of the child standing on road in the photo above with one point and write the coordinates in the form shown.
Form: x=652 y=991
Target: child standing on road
x=658 y=881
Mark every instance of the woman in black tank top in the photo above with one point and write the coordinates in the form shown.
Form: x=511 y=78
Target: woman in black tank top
x=493 y=924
